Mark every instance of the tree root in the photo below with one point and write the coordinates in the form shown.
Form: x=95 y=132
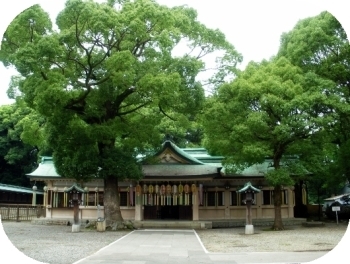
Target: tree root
x=120 y=225
x=274 y=228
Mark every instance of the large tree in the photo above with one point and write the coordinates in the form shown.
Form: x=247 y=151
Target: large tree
x=269 y=111
x=106 y=77
x=320 y=45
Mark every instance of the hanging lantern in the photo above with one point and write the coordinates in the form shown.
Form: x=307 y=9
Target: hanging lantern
x=162 y=189
x=168 y=189
x=174 y=189
x=150 y=199
x=186 y=188
x=168 y=194
x=138 y=189
x=181 y=188
x=162 y=194
x=193 y=188
x=150 y=188
x=156 y=190
x=145 y=188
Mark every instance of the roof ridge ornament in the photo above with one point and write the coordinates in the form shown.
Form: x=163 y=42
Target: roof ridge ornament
x=248 y=187
x=76 y=188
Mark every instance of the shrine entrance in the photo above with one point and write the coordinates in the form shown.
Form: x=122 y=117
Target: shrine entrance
x=167 y=212
x=167 y=202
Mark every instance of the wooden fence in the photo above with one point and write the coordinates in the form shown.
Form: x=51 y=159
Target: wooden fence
x=21 y=212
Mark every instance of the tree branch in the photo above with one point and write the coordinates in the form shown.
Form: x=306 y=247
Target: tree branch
x=162 y=111
x=132 y=110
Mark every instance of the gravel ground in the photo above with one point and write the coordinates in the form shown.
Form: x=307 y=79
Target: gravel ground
x=58 y=245
x=293 y=238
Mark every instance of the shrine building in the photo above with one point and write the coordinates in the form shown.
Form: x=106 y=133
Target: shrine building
x=184 y=184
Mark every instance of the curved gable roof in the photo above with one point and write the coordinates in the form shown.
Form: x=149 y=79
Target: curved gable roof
x=170 y=153
x=45 y=169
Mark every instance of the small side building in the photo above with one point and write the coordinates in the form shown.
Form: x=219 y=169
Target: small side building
x=12 y=194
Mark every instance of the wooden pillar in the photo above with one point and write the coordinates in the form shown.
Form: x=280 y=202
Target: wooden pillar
x=34 y=196
x=195 y=208
x=290 y=197
x=259 y=213
x=227 y=204
x=138 y=212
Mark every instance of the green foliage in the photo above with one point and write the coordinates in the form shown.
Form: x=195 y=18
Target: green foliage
x=278 y=177
x=269 y=110
x=319 y=45
x=16 y=157
x=107 y=84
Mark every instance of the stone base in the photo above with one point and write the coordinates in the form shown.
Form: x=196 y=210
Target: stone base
x=101 y=226
x=75 y=228
x=249 y=229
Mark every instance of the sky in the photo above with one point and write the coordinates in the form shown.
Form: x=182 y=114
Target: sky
x=254 y=27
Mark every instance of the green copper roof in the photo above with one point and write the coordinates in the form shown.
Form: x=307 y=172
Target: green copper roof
x=18 y=189
x=248 y=187
x=170 y=145
x=46 y=169
x=202 y=155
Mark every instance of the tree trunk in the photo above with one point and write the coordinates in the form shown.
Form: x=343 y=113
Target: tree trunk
x=111 y=202
x=277 y=197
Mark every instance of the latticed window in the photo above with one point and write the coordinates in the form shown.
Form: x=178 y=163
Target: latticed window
x=123 y=198
x=215 y=198
x=91 y=199
x=211 y=198
x=267 y=197
x=285 y=197
x=234 y=199
x=100 y=198
x=60 y=199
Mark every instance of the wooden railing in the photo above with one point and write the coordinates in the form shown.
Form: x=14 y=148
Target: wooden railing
x=21 y=212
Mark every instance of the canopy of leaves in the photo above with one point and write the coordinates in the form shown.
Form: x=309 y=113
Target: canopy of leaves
x=320 y=45
x=108 y=76
x=270 y=110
